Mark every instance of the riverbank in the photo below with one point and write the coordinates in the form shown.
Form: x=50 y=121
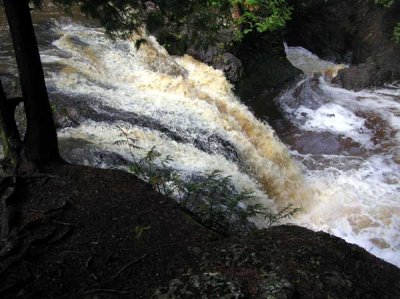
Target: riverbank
x=92 y=233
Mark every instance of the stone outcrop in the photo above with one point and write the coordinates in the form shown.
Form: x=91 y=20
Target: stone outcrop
x=266 y=73
x=93 y=233
x=355 y=32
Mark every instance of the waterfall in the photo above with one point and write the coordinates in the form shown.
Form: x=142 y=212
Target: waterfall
x=339 y=158
x=187 y=107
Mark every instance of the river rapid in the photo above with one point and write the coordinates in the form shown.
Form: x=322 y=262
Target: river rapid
x=336 y=153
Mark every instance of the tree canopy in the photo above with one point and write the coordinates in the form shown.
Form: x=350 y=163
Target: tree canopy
x=120 y=17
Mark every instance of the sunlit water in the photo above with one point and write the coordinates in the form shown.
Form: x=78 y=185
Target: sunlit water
x=342 y=160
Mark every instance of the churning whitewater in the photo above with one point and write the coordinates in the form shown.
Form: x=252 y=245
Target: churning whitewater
x=341 y=165
x=349 y=144
x=192 y=112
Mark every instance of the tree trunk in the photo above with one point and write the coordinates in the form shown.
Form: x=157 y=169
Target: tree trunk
x=40 y=142
x=9 y=131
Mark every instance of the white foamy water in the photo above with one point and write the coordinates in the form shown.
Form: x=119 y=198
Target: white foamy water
x=357 y=195
x=182 y=99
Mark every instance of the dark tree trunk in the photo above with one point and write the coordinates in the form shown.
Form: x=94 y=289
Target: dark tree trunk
x=40 y=142
x=10 y=133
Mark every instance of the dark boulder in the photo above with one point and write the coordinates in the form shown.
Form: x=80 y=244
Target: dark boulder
x=231 y=66
x=267 y=72
x=285 y=262
x=355 y=32
x=358 y=77
x=219 y=59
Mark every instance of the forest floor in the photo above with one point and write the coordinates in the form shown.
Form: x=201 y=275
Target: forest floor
x=92 y=233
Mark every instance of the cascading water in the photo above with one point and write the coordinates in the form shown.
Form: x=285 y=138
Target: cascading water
x=349 y=144
x=346 y=176
x=180 y=98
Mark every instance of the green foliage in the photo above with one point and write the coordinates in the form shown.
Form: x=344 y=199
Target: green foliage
x=6 y=144
x=121 y=17
x=396 y=31
x=140 y=230
x=396 y=34
x=10 y=158
x=286 y=213
x=53 y=108
x=210 y=198
x=385 y=3
x=256 y=15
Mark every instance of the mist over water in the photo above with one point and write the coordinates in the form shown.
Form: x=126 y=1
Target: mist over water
x=341 y=161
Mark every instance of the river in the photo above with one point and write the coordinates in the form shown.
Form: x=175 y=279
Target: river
x=336 y=153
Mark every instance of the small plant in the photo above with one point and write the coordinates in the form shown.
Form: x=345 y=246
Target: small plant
x=396 y=34
x=286 y=213
x=211 y=198
x=53 y=108
x=10 y=157
x=140 y=230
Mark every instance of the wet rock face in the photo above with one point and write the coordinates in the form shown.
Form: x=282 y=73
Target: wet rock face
x=266 y=73
x=257 y=67
x=231 y=66
x=226 y=62
x=355 y=32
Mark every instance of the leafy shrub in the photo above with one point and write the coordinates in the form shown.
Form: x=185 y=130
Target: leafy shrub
x=256 y=15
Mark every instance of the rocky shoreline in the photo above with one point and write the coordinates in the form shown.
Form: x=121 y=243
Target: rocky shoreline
x=92 y=233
